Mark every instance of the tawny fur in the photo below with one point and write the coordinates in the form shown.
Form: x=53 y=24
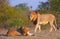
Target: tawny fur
x=13 y=33
x=43 y=19
x=23 y=31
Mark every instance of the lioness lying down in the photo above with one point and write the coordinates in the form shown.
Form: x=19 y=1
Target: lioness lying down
x=21 y=31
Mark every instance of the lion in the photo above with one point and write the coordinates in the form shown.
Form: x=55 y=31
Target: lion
x=13 y=32
x=43 y=19
x=21 y=31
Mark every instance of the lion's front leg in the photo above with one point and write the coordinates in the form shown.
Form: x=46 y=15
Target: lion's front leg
x=37 y=27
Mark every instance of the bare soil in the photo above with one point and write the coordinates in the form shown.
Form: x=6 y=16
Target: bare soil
x=37 y=35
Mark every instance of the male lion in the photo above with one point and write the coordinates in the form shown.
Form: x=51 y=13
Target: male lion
x=21 y=31
x=43 y=19
x=13 y=32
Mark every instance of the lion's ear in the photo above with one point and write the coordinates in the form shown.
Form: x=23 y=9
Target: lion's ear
x=36 y=12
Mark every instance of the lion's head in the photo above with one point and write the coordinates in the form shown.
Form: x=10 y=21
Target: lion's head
x=33 y=15
x=26 y=31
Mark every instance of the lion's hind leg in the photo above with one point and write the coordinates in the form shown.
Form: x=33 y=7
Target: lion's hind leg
x=52 y=26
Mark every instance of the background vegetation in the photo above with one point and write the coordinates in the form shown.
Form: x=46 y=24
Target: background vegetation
x=17 y=16
x=12 y=17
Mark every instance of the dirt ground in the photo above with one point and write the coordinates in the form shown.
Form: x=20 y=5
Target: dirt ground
x=38 y=35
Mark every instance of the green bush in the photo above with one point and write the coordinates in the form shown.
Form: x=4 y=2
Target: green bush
x=13 y=17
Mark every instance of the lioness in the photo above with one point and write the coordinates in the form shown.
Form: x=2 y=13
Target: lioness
x=43 y=19
x=21 y=31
